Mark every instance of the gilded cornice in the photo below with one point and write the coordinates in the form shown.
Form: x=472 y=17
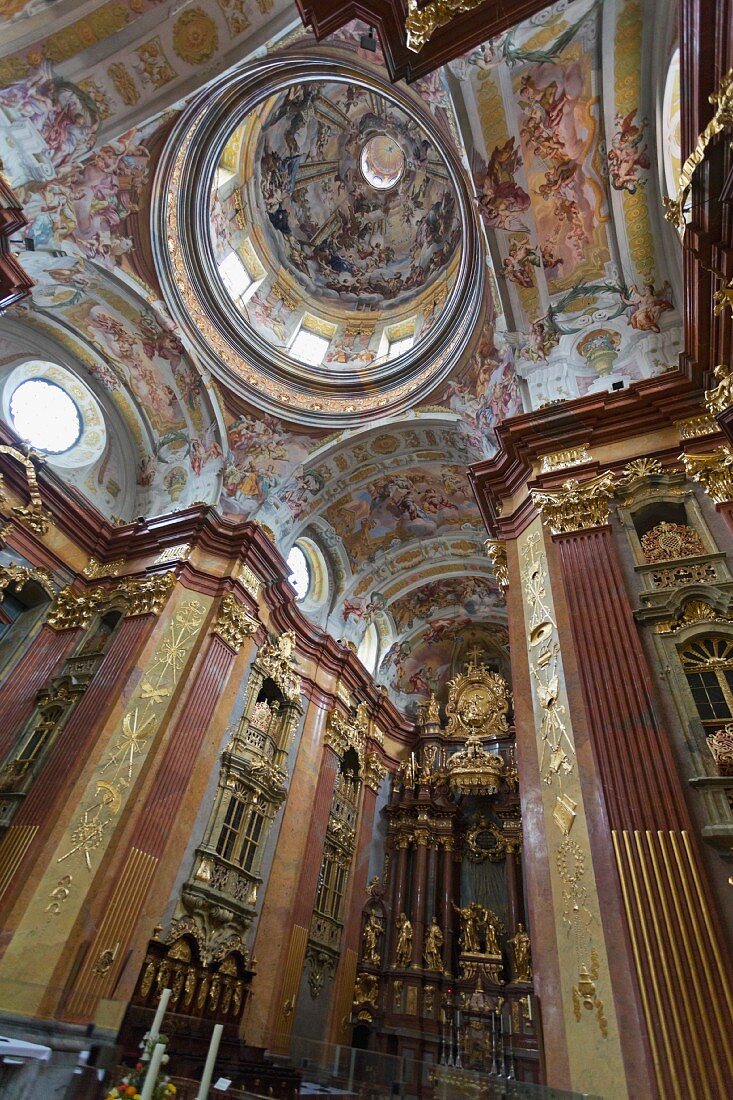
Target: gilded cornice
x=233 y=624
x=578 y=506
x=713 y=470
x=496 y=553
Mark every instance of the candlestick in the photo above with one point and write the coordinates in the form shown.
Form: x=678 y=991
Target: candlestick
x=151 y=1077
x=210 y=1060
x=155 y=1029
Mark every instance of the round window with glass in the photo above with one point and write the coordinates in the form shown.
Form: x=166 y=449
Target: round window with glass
x=300 y=574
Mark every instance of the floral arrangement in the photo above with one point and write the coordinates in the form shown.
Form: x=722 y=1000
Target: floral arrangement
x=130 y=1086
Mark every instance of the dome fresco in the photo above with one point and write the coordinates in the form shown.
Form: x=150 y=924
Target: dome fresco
x=358 y=201
x=319 y=240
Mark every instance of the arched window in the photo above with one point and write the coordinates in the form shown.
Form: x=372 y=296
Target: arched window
x=708 y=665
x=368 y=647
x=300 y=574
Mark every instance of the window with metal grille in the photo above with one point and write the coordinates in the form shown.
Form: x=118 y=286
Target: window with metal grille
x=708 y=665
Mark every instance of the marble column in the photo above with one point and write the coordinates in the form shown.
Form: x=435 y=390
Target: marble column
x=515 y=908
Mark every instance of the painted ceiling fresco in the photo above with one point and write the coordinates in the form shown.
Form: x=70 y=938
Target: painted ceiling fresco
x=558 y=131
x=340 y=234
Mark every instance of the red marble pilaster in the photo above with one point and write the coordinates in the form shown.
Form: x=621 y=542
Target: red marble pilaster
x=153 y=834
x=67 y=756
x=515 y=913
x=308 y=883
x=35 y=668
x=680 y=958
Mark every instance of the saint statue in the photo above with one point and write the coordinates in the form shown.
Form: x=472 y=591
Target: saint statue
x=372 y=931
x=469 y=933
x=432 y=710
x=522 y=952
x=492 y=928
x=403 y=954
x=433 y=944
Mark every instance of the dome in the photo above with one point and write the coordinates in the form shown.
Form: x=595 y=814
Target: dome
x=337 y=271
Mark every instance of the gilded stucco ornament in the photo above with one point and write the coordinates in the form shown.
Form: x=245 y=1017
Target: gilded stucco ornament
x=422 y=22
x=134 y=595
x=277 y=659
x=714 y=471
x=478 y=703
x=696 y=426
x=578 y=506
x=720 y=397
x=672 y=541
x=17 y=576
x=374 y=772
x=721 y=748
x=345 y=733
x=721 y=120
x=233 y=624
x=496 y=553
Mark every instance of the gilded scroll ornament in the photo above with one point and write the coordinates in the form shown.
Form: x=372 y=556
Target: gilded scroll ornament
x=694 y=427
x=233 y=624
x=94 y=570
x=694 y=611
x=720 y=397
x=721 y=120
x=714 y=471
x=374 y=772
x=366 y=991
x=143 y=595
x=422 y=22
x=578 y=506
x=496 y=553
x=478 y=702
x=345 y=733
x=34 y=515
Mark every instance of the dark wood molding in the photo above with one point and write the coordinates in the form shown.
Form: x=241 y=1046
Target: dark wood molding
x=15 y=282
x=388 y=17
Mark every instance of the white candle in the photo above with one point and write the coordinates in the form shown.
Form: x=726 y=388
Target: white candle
x=210 y=1060
x=153 y=1068
x=159 y=1014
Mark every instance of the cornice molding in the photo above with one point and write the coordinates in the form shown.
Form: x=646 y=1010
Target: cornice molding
x=594 y=421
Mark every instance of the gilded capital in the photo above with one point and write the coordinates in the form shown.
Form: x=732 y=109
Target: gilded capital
x=714 y=471
x=70 y=611
x=233 y=624
x=578 y=506
x=144 y=595
x=496 y=553
x=16 y=576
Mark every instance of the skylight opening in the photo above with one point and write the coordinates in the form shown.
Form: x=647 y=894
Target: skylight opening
x=400 y=346
x=300 y=575
x=309 y=347
x=45 y=416
x=235 y=276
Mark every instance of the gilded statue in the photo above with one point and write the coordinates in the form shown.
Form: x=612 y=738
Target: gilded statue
x=403 y=954
x=469 y=933
x=370 y=941
x=522 y=953
x=433 y=944
x=408 y=771
x=432 y=710
x=487 y=926
x=189 y=987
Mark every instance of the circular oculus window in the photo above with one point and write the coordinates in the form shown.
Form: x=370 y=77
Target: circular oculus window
x=382 y=162
x=45 y=416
